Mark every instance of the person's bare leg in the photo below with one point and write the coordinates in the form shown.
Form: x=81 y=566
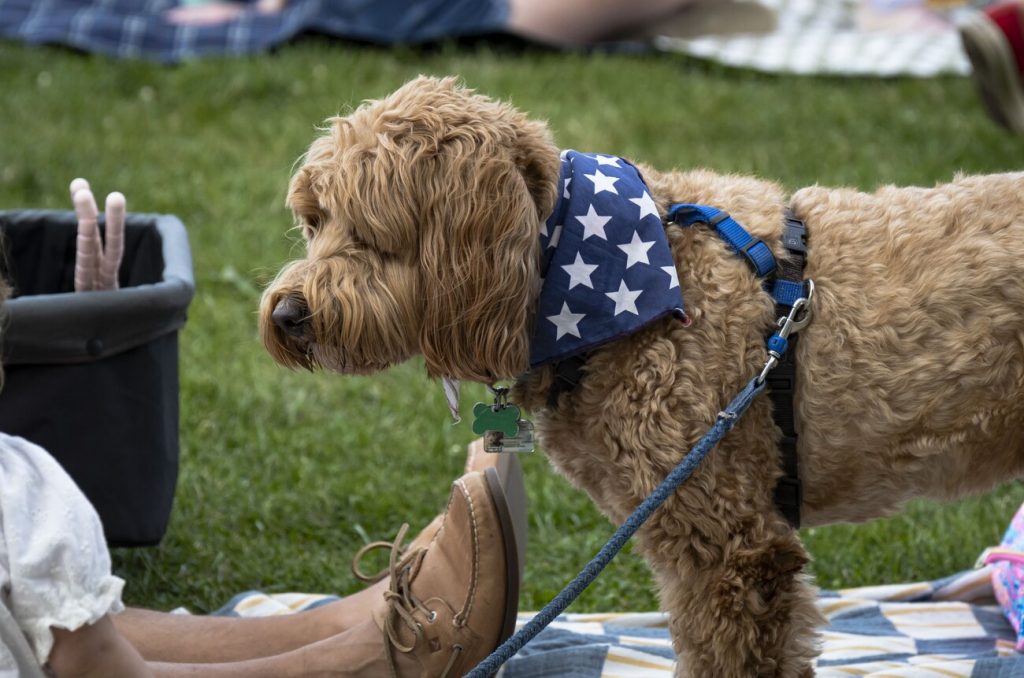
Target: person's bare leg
x=341 y=656
x=95 y=651
x=297 y=663
x=578 y=22
x=213 y=13
x=163 y=637
x=160 y=636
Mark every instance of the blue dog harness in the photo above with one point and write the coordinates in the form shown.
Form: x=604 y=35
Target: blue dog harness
x=791 y=292
x=784 y=289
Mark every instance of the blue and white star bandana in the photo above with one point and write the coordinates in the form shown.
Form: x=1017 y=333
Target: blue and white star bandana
x=607 y=267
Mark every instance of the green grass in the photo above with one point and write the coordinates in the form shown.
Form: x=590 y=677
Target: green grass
x=285 y=475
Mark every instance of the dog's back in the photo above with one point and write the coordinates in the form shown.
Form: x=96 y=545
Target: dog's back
x=913 y=369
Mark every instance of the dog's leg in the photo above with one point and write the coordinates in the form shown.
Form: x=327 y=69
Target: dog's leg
x=739 y=605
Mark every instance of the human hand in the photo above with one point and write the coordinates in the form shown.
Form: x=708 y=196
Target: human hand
x=96 y=265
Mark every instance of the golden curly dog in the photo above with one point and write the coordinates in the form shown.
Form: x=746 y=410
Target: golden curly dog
x=421 y=213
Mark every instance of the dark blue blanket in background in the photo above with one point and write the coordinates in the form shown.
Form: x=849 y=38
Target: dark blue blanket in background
x=138 y=28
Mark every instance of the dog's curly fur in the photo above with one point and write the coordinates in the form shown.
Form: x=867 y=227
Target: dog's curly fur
x=421 y=213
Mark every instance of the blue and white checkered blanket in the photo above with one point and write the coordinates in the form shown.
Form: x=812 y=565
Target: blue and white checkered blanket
x=949 y=627
x=140 y=29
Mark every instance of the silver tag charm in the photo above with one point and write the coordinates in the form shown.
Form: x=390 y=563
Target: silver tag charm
x=521 y=442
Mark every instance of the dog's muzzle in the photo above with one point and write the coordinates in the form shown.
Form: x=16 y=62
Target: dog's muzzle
x=291 y=315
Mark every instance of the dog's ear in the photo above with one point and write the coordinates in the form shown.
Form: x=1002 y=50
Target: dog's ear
x=488 y=184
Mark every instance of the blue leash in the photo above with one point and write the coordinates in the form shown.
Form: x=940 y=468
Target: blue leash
x=723 y=424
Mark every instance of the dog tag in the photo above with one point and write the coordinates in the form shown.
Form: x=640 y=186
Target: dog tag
x=522 y=442
x=498 y=417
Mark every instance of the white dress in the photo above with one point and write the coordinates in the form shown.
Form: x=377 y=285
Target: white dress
x=54 y=563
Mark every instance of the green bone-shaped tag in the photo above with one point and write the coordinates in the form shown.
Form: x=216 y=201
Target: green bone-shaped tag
x=488 y=418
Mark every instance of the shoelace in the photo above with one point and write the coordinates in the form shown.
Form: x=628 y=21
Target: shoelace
x=361 y=553
x=401 y=601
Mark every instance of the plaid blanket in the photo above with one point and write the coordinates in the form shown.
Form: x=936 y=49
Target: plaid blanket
x=139 y=29
x=825 y=36
x=949 y=627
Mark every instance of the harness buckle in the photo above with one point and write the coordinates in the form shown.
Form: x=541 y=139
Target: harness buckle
x=794 y=234
x=799 y=317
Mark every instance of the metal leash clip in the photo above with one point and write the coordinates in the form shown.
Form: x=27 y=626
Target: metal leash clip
x=798 y=318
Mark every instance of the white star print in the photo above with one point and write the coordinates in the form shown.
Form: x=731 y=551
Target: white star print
x=565 y=189
x=602 y=182
x=607 y=160
x=673 y=276
x=593 y=224
x=579 y=272
x=556 y=235
x=636 y=250
x=625 y=299
x=647 y=205
x=567 y=322
x=544 y=229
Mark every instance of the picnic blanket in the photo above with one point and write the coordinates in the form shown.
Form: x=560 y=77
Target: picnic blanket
x=140 y=28
x=843 y=37
x=948 y=627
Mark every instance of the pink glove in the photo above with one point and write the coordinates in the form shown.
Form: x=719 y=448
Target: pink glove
x=96 y=267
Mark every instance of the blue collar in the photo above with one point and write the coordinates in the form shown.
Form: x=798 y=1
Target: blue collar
x=607 y=269
x=754 y=251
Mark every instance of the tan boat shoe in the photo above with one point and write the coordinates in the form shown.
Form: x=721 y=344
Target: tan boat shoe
x=449 y=604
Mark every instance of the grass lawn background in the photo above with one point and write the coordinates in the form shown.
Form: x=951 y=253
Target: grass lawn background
x=285 y=475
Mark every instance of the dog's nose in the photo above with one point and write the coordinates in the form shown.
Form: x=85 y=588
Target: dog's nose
x=292 y=316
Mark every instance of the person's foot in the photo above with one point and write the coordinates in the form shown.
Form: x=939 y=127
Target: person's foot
x=448 y=605
x=994 y=42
